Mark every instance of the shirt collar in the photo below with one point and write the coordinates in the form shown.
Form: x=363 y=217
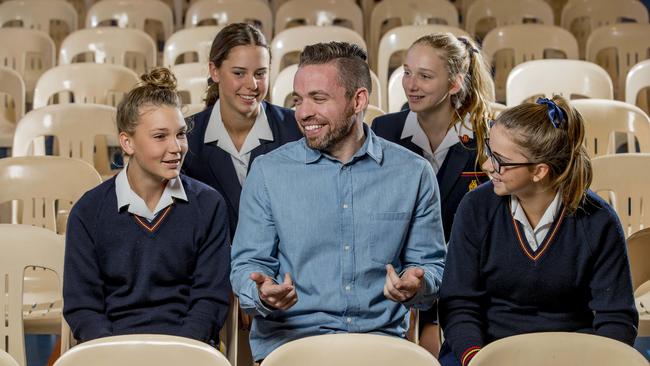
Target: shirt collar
x=216 y=132
x=547 y=219
x=413 y=130
x=136 y=205
x=371 y=146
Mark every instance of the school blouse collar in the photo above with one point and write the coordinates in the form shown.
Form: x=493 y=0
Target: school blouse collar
x=413 y=130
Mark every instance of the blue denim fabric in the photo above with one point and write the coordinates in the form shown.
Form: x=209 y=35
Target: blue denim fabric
x=334 y=227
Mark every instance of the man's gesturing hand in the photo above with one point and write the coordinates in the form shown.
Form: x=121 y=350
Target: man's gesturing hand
x=279 y=296
x=400 y=289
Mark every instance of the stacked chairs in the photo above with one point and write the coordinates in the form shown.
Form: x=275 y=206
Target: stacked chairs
x=636 y=84
x=12 y=104
x=196 y=41
x=56 y=18
x=629 y=44
x=319 y=12
x=483 y=15
x=505 y=47
x=568 y=78
x=223 y=12
x=581 y=17
x=604 y=119
x=24 y=246
x=564 y=349
x=129 y=47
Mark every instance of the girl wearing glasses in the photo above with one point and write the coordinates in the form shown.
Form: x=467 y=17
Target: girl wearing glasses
x=534 y=250
x=449 y=87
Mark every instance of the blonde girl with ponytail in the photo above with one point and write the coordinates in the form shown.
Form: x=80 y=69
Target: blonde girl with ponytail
x=535 y=250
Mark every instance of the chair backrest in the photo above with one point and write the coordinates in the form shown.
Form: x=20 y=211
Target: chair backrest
x=351 y=349
x=557 y=349
x=400 y=39
x=296 y=38
x=371 y=113
x=505 y=12
x=39 y=14
x=193 y=79
x=29 y=52
x=632 y=44
x=143 y=350
x=320 y=13
x=12 y=85
x=525 y=42
x=581 y=17
x=6 y=359
x=408 y=12
x=39 y=182
x=75 y=127
x=110 y=45
x=638 y=78
x=563 y=77
x=23 y=246
x=283 y=87
x=396 y=94
x=625 y=177
x=638 y=250
x=191 y=40
x=225 y=12
x=89 y=83
x=604 y=118
x=131 y=14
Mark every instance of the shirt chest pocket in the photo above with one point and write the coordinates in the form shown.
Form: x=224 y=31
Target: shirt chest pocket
x=388 y=232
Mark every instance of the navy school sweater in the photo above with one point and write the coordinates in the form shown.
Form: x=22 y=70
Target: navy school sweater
x=171 y=278
x=494 y=286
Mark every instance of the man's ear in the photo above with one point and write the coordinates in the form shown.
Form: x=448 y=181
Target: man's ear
x=361 y=100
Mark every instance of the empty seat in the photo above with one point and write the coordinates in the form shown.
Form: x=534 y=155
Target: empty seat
x=224 y=12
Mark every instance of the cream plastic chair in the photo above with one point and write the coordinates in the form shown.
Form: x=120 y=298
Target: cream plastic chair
x=191 y=109
x=40 y=14
x=497 y=108
x=6 y=359
x=624 y=177
x=24 y=246
x=225 y=12
x=557 y=349
x=638 y=250
x=396 y=94
x=132 y=14
x=192 y=79
x=320 y=13
x=604 y=118
x=400 y=39
x=631 y=43
x=191 y=40
x=642 y=299
x=143 y=350
x=12 y=104
x=564 y=77
x=581 y=17
x=505 y=47
x=89 y=83
x=110 y=45
x=371 y=113
x=76 y=128
x=283 y=88
x=638 y=79
x=29 y=52
x=347 y=349
x=408 y=12
x=295 y=39
x=505 y=12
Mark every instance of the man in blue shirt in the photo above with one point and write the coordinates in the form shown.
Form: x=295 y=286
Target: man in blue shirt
x=339 y=231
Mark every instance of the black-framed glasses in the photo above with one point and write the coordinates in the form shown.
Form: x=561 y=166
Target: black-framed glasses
x=497 y=163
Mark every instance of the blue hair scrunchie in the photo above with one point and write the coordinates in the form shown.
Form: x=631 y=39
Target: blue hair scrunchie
x=556 y=114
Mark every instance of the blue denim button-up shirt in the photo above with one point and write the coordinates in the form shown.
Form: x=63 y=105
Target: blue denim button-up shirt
x=334 y=227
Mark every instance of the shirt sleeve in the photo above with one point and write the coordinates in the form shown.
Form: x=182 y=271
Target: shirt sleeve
x=255 y=245
x=463 y=292
x=84 y=307
x=210 y=291
x=425 y=243
x=612 y=296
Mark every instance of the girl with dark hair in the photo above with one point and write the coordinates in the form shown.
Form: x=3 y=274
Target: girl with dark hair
x=534 y=250
x=237 y=124
x=147 y=251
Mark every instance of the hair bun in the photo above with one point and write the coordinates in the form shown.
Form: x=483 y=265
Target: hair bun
x=159 y=77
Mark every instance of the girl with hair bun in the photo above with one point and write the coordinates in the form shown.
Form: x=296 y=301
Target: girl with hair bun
x=535 y=250
x=237 y=125
x=148 y=250
x=449 y=88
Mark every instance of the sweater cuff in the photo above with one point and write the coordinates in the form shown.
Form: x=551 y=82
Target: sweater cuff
x=469 y=354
